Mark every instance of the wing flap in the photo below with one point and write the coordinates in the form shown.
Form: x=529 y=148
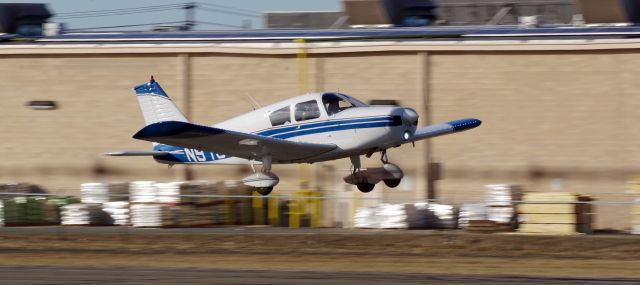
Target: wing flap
x=232 y=143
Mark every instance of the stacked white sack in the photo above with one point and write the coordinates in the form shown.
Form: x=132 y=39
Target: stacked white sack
x=146 y=215
x=394 y=216
x=118 y=211
x=168 y=192
x=153 y=215
x=502 y=194
x=98 y=192
x=434 y=216
x=472 y=212
x=366 y=218
x=84 y=214
x=142 y=192
x=502 y=215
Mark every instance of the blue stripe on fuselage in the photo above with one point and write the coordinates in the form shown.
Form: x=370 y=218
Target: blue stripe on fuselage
x=272 y=132
x=332 y=128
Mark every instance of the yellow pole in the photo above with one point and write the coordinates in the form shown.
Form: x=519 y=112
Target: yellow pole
x=316 y=205
x=303 y=88
x=294 y=214
x=258 y=210
x=274 y=217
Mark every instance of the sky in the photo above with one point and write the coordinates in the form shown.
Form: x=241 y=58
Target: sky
x=68 y=6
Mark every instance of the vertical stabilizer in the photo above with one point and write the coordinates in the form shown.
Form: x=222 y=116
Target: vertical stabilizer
x=156 y=105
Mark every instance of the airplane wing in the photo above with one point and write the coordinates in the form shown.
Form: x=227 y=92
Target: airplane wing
x=233 y=143
x=444 y=129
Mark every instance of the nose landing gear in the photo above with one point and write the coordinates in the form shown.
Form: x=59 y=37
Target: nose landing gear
x=262 y=181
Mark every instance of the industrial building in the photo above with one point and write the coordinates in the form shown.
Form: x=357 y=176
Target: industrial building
x=557 y=104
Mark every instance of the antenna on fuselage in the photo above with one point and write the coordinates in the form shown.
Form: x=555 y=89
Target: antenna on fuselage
x=253 y=102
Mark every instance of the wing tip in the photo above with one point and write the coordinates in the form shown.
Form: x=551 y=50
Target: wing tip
x=465 y=124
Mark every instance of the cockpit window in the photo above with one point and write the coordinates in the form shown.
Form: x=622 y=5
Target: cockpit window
x=307 y=110
x=280 y=116
x=336 y=103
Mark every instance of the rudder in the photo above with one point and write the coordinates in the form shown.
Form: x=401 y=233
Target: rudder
x=155 y=104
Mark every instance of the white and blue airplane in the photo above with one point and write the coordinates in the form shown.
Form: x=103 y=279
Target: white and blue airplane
x=305 y=129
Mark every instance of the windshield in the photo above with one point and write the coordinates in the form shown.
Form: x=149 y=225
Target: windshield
x=336 y=103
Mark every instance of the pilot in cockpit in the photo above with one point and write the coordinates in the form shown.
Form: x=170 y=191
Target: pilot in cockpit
x=332 y=105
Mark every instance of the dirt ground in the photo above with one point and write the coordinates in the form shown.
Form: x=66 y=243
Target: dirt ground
x=357 y=251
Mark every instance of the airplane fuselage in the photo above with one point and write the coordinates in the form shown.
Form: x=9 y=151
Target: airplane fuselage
x=356 y=130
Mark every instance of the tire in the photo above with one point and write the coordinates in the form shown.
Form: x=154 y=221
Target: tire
x=264 y=191
x=392 y=183
x=365 y=187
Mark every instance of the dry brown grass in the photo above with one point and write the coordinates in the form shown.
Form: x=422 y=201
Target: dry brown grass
x=588 y=256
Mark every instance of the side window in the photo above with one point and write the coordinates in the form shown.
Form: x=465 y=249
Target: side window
x=280 y=116
x=334 y=104
x=307 y=110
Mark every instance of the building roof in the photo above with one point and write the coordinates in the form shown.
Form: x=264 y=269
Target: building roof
x=287 y=35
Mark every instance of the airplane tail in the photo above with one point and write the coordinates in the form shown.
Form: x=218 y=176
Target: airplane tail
x=156 y=105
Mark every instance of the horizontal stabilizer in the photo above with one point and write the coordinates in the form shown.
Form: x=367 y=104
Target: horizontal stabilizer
x=136 y=153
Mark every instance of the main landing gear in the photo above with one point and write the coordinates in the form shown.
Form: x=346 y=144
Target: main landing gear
x=264 y=180
x=366 y=179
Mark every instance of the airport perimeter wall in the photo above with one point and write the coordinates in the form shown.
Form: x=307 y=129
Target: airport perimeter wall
x=557 y=116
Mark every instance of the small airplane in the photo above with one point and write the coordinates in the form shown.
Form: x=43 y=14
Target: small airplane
x=305 y=129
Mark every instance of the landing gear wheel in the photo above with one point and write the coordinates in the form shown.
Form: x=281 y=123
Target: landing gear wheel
x=264 y=191
x=365 y=187
x=392 y=183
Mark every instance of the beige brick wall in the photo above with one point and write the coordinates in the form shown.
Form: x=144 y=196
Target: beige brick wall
x=550 y=121
x=97 y=112
x=561 y=119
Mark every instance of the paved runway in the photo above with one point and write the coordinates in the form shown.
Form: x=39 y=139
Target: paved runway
x=138 y=276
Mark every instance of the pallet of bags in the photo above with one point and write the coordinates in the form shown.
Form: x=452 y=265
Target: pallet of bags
x=143 y=192
x=84 y=214
x=406 y=216
x=436 y=216
x=100 y=192
x=187 y=193
x=168 y=193
x=118 y=211
x=14 y=211
x=146 y=215
x=29 y=211
x=501 y=200
x=50 y=213
x=366 y=218
x=239 y=210
x=154 y=215
x=472 y=212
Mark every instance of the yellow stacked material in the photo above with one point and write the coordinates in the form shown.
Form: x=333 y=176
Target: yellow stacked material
x=555 y=213
x=305 y=205
x=635 y=220
x=633 y=185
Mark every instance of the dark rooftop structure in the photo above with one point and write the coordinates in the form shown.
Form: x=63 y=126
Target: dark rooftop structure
x=23 y=19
